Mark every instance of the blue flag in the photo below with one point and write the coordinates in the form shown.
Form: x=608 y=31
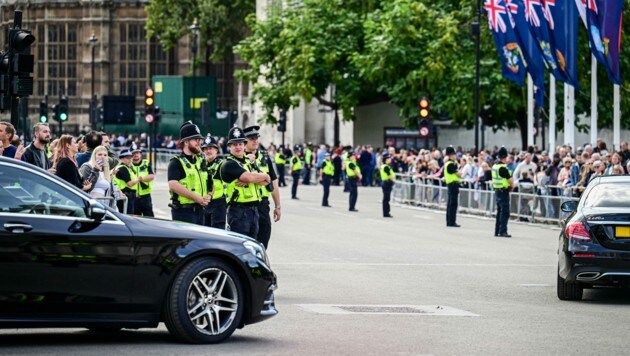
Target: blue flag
x=603 y=22
x=506 y=41
x=531 y=51
x=563 y=23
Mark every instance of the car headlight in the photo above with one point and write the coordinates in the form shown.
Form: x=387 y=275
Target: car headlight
x=257 y=250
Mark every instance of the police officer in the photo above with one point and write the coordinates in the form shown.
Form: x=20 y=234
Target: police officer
x=452 y=176
x=188 y=177
x=326 y=175
x=502 y=184
x=243 y=187
x=215 y=210
x=144 y=172
x=388 y=179
x=353 y=174
x=308 y=164
x=281 y=161
x=261 y=162
x=127 y=181
x=296 y=170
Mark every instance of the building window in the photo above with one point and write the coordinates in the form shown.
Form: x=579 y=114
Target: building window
x=58 y=54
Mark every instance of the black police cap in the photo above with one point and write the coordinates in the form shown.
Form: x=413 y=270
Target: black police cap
x=252 y=131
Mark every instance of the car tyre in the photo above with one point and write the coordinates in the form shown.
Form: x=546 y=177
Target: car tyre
x=569 y=291
x=205 y=303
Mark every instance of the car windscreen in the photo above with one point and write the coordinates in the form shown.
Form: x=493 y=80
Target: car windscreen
x=609 y=195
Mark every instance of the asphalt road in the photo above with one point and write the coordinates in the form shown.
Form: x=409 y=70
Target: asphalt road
x=358 y=284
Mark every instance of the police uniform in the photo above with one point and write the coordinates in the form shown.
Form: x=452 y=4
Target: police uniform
x=281 y=161
x=501 y=176
x=242 y=202
x=353 y=181
x=216 y=210
x=328 y=172
x=144 y=204
x=452 y=183
x=192 y=173
x=263 y=164
x=387 y=173
x=123 y=175
x=296 y=171
x=308 y=161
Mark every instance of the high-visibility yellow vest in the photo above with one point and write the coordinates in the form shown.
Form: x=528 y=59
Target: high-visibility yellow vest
x=121 y=183
x=350 y=173
x=328 y=168
x=499 y=182
x=217 y=184
x=142 y=170
x=262 y=165
x=308 y=156
x=246 y=194
x=386 y=176
x=280 y=158
x=196 y=179
x=450 y=177
x=297 y=163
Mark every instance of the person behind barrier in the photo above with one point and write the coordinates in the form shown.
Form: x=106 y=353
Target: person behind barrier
x=127 y=180
x=452 y=176
x=326 y=175
x=144 y=172
x=97 y=172
x=388 y=179
x=216 y=209
x=502 y=184
x=261 y=162
x=188 y=178
x=243 y=186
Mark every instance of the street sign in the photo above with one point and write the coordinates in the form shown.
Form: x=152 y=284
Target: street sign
x=149 y=118
x=424 y=131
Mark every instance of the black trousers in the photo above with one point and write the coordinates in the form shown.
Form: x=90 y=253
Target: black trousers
x=387 y=194
x=502 y=198
x=296 y=181
x=243 y=219
x=326 y=180
x=451 y=205
x=354 y=193
x=264 y=223
x=307 y=175
x=131 y=203
x=215 y=213
x=144 y=205
x=190 y=215
x=281 y=181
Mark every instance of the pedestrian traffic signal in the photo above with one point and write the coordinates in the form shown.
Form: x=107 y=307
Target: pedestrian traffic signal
x=424 y=108
x=43 y=112
x=63 y=109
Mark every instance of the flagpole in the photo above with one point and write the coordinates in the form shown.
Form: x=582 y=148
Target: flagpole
x=552 y=112
x=616 y=118
x=594 y=113
x=530 y=111
x=569 y=115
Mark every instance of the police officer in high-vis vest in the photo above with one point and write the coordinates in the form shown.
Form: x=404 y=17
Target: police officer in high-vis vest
x=260 y=161
x=127 y=181
x=296 y=170
x=188 y=177
x=308 y=164
x=216 y=209
x=243 y=186
x=388 y=179
x=452 y=176
x=281 y=161
x=502 y=184
x=353 y=174
x=144 y=172
x=326 y=175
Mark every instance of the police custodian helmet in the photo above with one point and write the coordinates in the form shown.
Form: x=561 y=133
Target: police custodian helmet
x=189 y=131
x=210 y=141
x=450 y=151
x=236 y=135
x=502 y=153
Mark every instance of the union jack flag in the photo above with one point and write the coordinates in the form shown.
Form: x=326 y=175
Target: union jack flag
x=547 y=4
x=592 y=5
x=495 y=20
x=530 y=12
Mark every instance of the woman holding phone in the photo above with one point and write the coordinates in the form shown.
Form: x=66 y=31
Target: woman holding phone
x=97 y=172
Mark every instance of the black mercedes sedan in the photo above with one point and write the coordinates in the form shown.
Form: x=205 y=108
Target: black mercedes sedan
x=594 y=247
x=68 y=261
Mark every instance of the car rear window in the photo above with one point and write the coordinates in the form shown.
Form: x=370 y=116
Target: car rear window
x=609 y=195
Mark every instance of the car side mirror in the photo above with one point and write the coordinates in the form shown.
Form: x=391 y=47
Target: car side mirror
x=96 y=211
x=569 y=206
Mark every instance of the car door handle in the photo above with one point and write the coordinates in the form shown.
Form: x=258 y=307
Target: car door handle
x=18 y=228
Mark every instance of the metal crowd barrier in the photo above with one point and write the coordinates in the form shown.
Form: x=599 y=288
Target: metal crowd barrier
x=112 y=202
x=529 y=203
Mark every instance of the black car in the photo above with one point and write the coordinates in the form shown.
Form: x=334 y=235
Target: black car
x=594 y=245
x=68 y=261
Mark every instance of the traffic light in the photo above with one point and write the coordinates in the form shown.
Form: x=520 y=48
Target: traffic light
x=63 y=109
x=424 y=117
x=149 y=105
x=424 y=108
x=282 y=123
x=43 y=112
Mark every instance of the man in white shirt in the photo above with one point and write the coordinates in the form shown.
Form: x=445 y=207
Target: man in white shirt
x=525 y=166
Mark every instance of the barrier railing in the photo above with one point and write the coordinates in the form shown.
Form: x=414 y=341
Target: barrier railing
x=530 y=203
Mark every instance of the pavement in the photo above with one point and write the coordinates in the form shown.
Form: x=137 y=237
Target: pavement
x=359 y=284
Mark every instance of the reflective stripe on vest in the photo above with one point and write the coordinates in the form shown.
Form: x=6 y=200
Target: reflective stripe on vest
x=142 y=171
x=384 y=175
x=350 y=173
x=499 y=182
x=262 y=165
x=196 y=179
x=297 y=163
x=328 y=168
x=450 y=177
x=218 y=186
x=246 y=194
x=121 y=183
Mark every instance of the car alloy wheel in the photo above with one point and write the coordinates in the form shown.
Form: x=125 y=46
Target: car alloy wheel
x=212 y=301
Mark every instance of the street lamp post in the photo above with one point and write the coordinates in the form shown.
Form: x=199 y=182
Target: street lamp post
x=194 y=30
x=93 y=41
